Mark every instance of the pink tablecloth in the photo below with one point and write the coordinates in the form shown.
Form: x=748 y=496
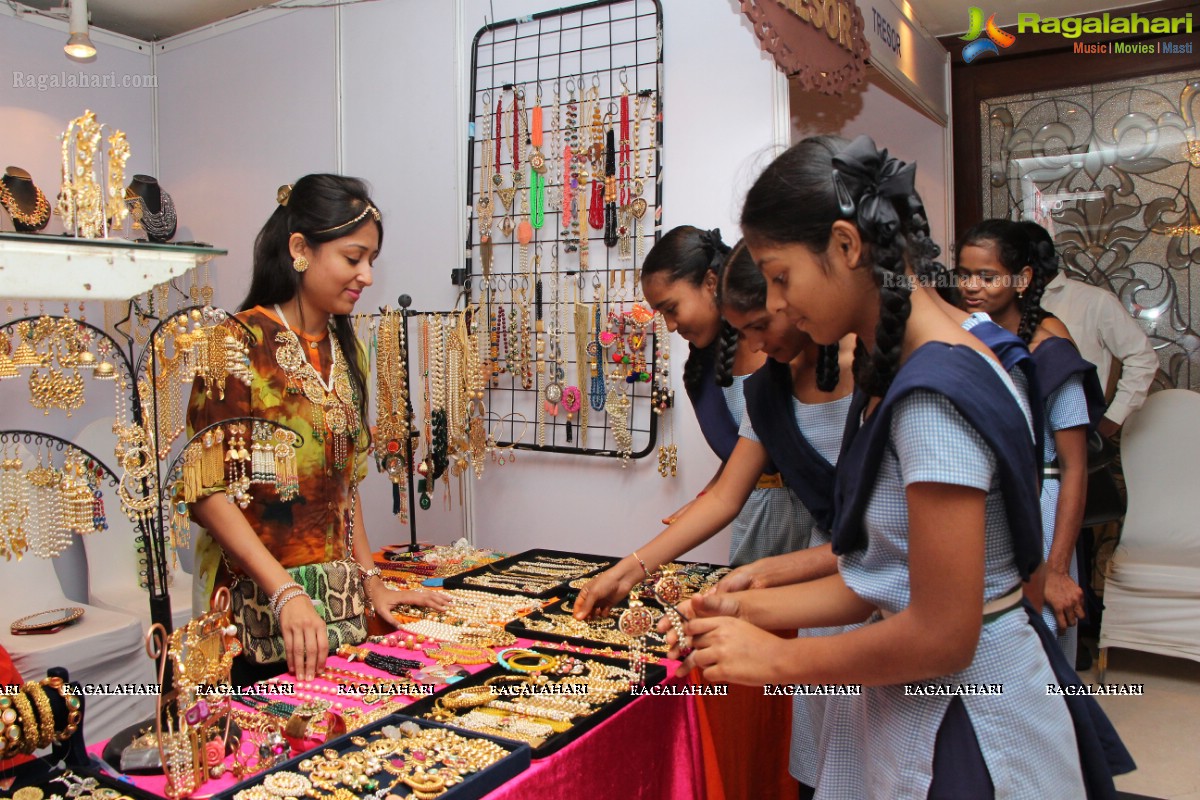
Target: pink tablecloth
x=650 y=748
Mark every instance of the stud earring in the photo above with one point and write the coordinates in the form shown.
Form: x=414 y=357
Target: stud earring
x=300 y=263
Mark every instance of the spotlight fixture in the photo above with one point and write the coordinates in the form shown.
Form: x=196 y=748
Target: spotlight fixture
x=79 y=47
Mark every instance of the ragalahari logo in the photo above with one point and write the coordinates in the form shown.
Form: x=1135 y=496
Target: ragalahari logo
x=995 y=36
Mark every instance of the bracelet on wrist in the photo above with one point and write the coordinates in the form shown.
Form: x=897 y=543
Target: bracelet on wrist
x=645 y=571
x=287 y=598
x=278 y=592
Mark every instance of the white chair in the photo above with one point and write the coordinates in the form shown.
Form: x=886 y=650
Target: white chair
x=112 y=555
x=103 y=648
x=1152 y=590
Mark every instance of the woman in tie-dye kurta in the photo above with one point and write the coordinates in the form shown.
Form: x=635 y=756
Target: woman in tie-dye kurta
x=312 y=260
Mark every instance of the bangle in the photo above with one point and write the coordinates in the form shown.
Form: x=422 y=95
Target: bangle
x=373 y=572
x=44 y=712
x=13 y=731
x=643 y=563
x=281 y=590
x=29 y=724
x=74 y=705
x=287 y=598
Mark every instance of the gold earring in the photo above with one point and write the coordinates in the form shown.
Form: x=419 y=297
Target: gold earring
x=300 y=263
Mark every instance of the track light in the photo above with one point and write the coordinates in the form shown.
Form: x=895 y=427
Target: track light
x=79 y=47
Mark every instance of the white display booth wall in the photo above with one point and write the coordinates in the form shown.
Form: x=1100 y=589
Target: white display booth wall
x=378 y=91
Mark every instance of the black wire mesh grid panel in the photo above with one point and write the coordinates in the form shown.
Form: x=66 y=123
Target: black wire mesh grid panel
x=564 y=186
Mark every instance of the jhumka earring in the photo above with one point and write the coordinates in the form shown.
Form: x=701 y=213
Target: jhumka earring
x=300 y=264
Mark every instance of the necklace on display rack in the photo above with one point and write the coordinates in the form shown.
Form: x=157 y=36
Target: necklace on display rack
x=334 y=401
x=35 y=218
x=161 y=224
x=484 y=205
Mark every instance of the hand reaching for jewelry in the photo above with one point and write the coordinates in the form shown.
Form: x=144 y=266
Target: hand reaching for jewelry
x=739 y=580
x=385 y=599
x=304 y=637
x=730 y=650
x=598 y=595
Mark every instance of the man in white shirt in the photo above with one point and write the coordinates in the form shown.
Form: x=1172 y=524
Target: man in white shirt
x=1104 y=330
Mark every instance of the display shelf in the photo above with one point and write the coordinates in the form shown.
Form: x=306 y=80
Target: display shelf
x=33 y=266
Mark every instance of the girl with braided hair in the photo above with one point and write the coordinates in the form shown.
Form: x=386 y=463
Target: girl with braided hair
x=680 y=278
x=935 y=515
x=1002 y=272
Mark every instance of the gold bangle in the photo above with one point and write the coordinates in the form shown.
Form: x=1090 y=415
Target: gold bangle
x=12 y=730
x=73 y=703
x=44 y=712
x=29 y=725
x=544 y=663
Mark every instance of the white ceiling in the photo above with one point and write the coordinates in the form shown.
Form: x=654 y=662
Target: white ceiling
x=160 y=19
x=156 y=19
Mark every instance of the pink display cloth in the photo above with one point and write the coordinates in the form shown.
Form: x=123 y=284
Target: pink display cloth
x=650 y=748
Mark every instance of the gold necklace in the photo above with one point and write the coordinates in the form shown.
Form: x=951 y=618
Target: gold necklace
x=36 y=218
x=334 y=402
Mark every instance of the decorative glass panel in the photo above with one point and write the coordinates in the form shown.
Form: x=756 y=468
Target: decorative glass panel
x=1113 y=171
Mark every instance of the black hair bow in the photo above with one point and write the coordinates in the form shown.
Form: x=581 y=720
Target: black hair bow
x=879 y=181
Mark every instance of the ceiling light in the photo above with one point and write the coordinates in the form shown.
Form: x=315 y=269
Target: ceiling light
x=79 y=47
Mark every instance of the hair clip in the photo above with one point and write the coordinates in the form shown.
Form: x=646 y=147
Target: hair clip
x=283 y=194
x=844 y=200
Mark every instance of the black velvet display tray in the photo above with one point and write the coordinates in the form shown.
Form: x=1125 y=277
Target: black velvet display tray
x=518 y=627
x=459 y=581
x=45 y=782
x=655 y=674
x=474 y=787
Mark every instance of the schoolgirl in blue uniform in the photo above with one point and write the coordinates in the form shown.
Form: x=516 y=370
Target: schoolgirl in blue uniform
x=680 y=278
x=935 y=516
x=1003 y=273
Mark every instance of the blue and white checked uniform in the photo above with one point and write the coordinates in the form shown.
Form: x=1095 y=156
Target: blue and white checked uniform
x=1066 y=408
x=822 y=425
x=773 y=521
x=881 y=744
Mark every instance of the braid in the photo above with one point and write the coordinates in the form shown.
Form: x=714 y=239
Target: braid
x=727 y=346
x=1032 y=312
x=693 y=369
x=874 y=374
x=829 y=371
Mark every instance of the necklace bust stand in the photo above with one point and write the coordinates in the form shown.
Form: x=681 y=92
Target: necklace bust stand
x=23 y=201
x=152 y=208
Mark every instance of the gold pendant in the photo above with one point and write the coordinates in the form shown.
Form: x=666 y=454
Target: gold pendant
x=638 y=207
x=507 y=195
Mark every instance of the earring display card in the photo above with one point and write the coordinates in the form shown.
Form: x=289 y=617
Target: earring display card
x=385 y=741
x=536 y=573
x=565 y=188
x=573 y=707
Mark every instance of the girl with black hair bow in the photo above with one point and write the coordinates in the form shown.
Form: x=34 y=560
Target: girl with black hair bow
x=935 y=520
x=1002 y=272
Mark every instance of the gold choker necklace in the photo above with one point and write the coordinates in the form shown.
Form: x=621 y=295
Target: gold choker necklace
x=334 y=402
